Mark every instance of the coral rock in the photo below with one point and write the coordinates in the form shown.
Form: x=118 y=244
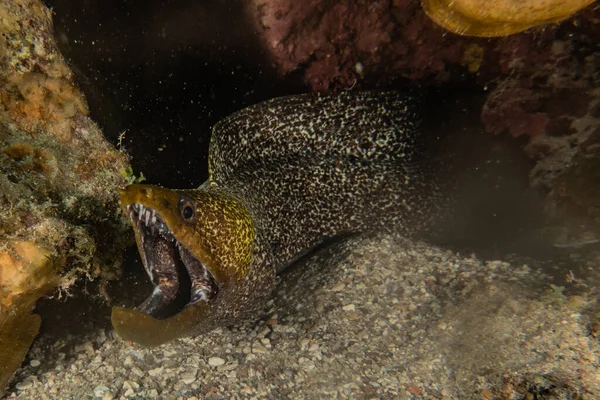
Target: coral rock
x=58 y=180
x=500 y=17
x=25 y=269
x=339 y=44
x=26 y=273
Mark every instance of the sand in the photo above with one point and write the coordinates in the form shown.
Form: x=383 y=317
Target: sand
x=376 y=317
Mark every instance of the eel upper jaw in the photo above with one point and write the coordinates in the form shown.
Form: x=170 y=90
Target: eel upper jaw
x=179 y=278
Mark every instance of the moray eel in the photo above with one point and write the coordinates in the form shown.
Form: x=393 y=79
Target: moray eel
x=285 y=175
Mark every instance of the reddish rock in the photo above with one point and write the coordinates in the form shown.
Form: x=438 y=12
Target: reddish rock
x=338 y=43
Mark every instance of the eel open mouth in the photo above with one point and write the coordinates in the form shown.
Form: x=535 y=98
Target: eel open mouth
x=179 y=278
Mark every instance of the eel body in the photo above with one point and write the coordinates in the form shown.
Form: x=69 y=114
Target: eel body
x=284 y=176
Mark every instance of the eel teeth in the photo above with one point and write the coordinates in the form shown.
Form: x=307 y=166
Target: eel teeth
x=146 y=218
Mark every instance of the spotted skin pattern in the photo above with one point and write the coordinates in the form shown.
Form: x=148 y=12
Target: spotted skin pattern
x=285 y=176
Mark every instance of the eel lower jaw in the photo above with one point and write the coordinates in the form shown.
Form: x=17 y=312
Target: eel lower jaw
x=179 y=278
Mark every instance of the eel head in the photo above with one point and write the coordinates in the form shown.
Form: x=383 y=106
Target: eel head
x=197 y=247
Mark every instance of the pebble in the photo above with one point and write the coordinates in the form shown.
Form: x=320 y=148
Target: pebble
x=188 y=377
x=414 y=390
x=24 y=385
x=101 y=391
x=320 y=307
x=130 y=387
x=215 y=361
x=228 y=367
x=306 y=364
x=259 y=350
x=35 y=363
x=156 y=371
x=304 y=343
x=265 y=331
x=353 y=316
x=338 y=287
x=309 y=346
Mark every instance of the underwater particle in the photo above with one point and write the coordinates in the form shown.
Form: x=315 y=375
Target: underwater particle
x=360 y=69
x=486 y=18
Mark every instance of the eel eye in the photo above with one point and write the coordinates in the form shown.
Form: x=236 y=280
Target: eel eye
x=187 y=210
